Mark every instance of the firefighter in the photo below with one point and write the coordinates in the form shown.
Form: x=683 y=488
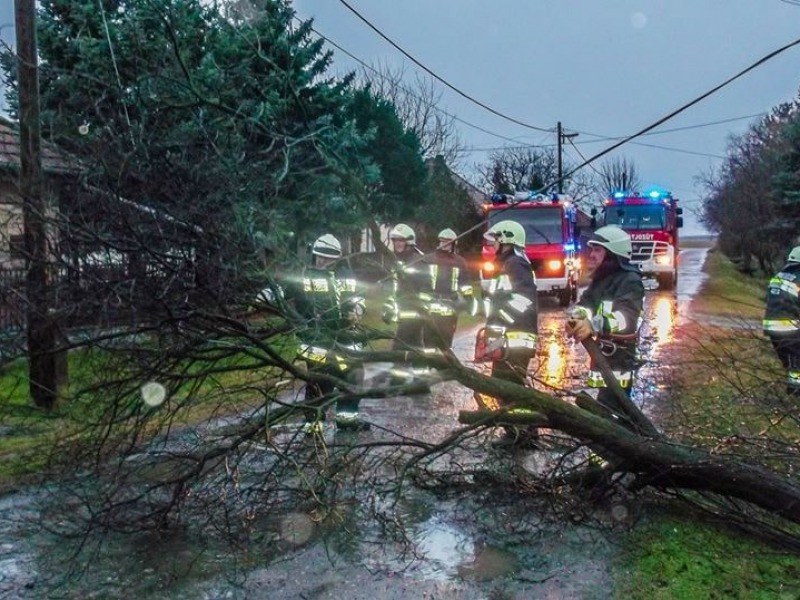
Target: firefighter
x=782 y=319
x=512 y=317
x=404 y=307
x=447 y=289
x=326 y=298
x=610 y=309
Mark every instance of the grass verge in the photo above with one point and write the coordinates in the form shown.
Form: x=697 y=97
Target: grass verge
x=725 y=393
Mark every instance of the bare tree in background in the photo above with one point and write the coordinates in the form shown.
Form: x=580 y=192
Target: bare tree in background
x=417 y=104
x=618 y=173
x=520 y=168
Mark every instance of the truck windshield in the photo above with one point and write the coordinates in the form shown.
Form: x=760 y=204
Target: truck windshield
x=636 y=216
x=542 y=225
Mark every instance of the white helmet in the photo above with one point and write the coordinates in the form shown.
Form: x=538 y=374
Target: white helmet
x=448 y=234
x=613 y=239
x=401 y=231
x=507 y=232
x=327 y=246
x=794 y=255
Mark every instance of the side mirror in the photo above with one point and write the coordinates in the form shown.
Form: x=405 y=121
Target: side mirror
x=679 y=211
x=680 y=221
x=593 y=212
x=593 y=223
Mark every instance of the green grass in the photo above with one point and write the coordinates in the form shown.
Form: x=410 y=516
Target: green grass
x=674 y=557
x=725 y=387
x=728 y=293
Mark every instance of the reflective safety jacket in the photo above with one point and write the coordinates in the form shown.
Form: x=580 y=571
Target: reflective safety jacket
x=442 y=279
x=409 y=280
x=782 y=313
x=510 y=303
x=329 y=305
x=614 y=305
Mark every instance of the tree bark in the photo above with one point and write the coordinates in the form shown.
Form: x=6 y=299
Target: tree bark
x=656 y=460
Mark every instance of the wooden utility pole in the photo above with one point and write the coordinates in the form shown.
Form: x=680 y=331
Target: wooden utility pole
x=46 y=365
x=561 y=137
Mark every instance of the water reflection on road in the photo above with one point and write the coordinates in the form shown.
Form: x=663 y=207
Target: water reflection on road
x=560 y=367
x=448 y=549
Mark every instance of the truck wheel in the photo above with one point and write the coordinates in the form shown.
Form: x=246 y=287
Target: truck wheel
x=667 y=281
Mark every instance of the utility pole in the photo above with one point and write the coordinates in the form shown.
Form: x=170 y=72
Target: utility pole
x=561 y=137
x=46 y=365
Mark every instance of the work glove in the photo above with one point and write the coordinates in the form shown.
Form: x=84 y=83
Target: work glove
x=390 y=312
x=580 y=329
x=354 y=310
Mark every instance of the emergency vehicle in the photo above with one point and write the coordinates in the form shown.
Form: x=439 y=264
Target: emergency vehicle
x=551 y=240
x=652 y=220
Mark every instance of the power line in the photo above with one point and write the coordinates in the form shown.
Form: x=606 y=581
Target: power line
x=602 y=138
x=680 y=109
x=656 y=146
x=664 y=119
x=440 y=79
x=405 y=89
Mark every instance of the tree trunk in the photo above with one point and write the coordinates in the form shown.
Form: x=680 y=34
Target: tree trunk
x=657 y=461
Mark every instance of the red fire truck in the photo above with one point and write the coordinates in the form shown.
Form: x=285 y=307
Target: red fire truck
x=652 y=220
x=551 y=240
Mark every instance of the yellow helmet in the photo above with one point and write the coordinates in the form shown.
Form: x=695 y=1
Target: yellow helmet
x=613 y=239
x=448 y=234
x=401 y=231
x=327 y=246
x=507 y=232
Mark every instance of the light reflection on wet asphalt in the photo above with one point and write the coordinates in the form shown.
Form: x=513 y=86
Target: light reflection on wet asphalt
x=559 y=367
x=449 y=551
x=560 y=364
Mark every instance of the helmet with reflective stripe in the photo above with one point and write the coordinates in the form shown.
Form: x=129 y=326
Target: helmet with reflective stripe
x=613 y=239
x=447 y=234
x=401 y=231
x=327 y=246
x=507 y=232
x=794 y=255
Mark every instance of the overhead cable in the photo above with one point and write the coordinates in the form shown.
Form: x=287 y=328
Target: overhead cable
x=440 y=79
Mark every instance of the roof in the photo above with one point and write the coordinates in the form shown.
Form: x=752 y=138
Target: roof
x=53 y=160
x=476 y=196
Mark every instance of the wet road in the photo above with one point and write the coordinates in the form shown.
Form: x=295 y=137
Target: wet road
x=455 y=556
x=560 y=365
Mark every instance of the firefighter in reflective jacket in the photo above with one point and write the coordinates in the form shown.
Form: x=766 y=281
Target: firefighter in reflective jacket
x=446 y=290
x=510 y=305
x=782 y=318
x=610 y=309
x=405 y=307
x=328 y=302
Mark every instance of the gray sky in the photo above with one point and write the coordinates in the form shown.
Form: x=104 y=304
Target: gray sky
x=607 y=68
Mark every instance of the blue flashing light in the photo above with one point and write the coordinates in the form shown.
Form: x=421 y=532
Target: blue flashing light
x=619 y=194
x=569 y=247
x=655 y=194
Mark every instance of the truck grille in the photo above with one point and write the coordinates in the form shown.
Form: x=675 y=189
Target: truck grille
x=643 y=251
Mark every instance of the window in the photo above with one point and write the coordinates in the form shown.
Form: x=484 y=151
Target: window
x=16 y=246
x=542 y=225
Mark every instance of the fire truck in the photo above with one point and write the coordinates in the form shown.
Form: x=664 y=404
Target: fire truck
x=652 y=220
x=551 y=240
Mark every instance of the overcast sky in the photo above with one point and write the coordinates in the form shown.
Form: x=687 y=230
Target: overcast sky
x=602 y=68
x=607 y=68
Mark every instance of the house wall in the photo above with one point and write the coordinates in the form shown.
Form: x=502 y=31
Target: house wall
x=11 y=225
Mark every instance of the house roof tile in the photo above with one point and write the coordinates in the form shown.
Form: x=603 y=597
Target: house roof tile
x=53 y=160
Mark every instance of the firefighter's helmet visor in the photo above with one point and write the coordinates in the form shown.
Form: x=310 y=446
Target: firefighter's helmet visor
x=498 y=235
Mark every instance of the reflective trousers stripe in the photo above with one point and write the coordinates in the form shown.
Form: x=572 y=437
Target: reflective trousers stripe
x=624 y=378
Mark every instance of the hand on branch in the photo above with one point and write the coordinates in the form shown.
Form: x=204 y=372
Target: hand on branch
x=580 y=329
